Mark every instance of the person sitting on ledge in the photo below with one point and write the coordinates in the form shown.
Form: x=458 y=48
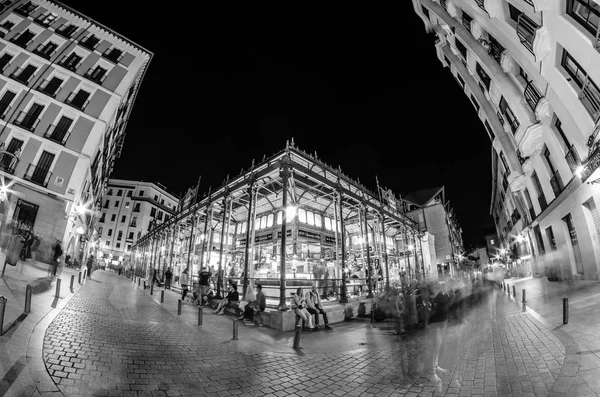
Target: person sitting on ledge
x=232 y=296
x=299 y=306
x=313 y=306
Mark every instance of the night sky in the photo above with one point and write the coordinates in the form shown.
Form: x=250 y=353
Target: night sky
x=357 y=83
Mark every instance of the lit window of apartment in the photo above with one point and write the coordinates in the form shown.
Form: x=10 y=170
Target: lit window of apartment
x=590 y=94
x=586 y=12
x=127 y=205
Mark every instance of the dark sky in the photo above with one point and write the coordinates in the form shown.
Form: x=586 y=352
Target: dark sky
x=357 y=83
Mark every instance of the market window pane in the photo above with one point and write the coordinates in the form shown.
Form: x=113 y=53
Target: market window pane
x=327 y=223
x=370 y=235
x=263 y=222
x=217 y=238
x=301 y=215
x=318 y=221
x=279 y=217
x=310 y=218
x=339 y=225
x=270 y=220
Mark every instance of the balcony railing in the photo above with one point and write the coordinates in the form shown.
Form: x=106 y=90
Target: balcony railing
x=5 y=28
x=59 y=135
x=49 y=89
x=81 y=105
x=590 y=98
x=526 y=30
x=8 y=162
x=38 y=174
x=113 y=55
x=496 y=50
x=18 y=75
x=443 y=4
x=96 y=79
x=70 y=66
x=481 y=4
x=45 y=20
x=573 y=159
x=42 y=51
x=90 y=43
x=27 y=121
x=532 y=95
x=542 y=201
x=466 y=21
x=65 y=30
x=26 y=9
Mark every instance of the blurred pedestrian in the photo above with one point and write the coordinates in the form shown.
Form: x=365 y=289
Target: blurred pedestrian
x=57 y=252
x=90 y=264
x=184 y=281
x=168 y=278
x=438 y=326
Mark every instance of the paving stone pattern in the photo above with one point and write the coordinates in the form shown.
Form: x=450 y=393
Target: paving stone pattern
x=112 y=340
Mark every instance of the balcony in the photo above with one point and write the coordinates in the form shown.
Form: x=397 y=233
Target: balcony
x=113 y=55
x=496 y=50
x=466 y=21
x=443 y=4
x=38 y=174
x=49 y=88
x=532 y=95
x=26 y=9
x=69 y=65
x=90 y=43
x=58 y=135
x=45 y=50
x=5 y=28
x=572 y=159
x=590 y=98
x=95 y=75
x=45 y=20
x=27 y=121
x=8 y=162
x=77 y=102
x=21 y=77
x=66 y=30
x=481 y=4
x=556 y=183
x=23 y=39
x=526 y=30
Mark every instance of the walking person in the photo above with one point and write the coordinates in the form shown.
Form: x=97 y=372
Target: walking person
x=57 y=252
x=438 y=326
x=184 y=281
x=90 y=264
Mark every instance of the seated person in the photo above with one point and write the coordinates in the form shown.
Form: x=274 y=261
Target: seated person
x=257 y=305
x=208 y=295
x=232 y=296
x=299 y=307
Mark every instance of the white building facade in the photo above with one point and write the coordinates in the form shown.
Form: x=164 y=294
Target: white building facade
x=128 y=209
x=530 y=68
x=67 y=87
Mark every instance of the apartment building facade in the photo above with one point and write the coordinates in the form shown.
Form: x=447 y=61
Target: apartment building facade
x=434 y=214
x=129 y=208
x=67 y=87
x=530 y=68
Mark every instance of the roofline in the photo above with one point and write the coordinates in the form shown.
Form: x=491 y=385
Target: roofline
x=112 y=181
x=443 y=187
x=120 y=36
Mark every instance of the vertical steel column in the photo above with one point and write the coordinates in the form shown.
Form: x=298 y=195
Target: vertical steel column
x=203 y=242
x=362 y=236
x=422 y=260
x=343 y=293
x=174 y=237
x=160 y=241
x=248 y=231
x=284 y=172
x=191 y=242
x=209 y=238
x=250 y=272
x=335 y=229
x=221 y=267
x=369 y=267
x=407 y=256
x=385 y=254
x=225 y=199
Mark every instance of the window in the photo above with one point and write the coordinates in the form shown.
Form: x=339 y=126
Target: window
x=118 y=245
x=327 y=223
x=137 y=207
x=46 y=50
x=113 y=54
x=78 y=100
x=110 y=192
x=514 y=12
x=71 y=62
x=153 y=212
x=109 y=232
x=29 y=119
x=301 y=215
x=162 y=202
x=5 y=60
x=100 y=231
x=310 y=218
x=425 y=12
x=280 y=217
x=509 y=115
x=59 y=132
x=106 y=203
x=5 y=102
x=90 y=42
x=539 y=240
x=555 y=179
x=133 y=221
x=475 y=103
x=504 y=163
x=447 y=61
x=540 y=192
x=129 y=193
x=97 y=74
x=270 y=220
x=460 y=80
x=26 y=9
x=117 y=203
x=23 y=39
x=492 y=242
x=120 y=192
x=590 y=94
x=47 y=19
x=489 y=129
x=485 y=79
x=141 y=193
x=550 y=236
x=102 y=217
x=23 y=75
x=123 y=218
x=120 y=235
x=560 y=135
x=113 y=217
x=318 y=221
x=461 y=48
x=107 y=243
x=156 y=198
x=466 y=20
x=128 y=247
x=66 y=30
x=586 y=12
x=50 y=87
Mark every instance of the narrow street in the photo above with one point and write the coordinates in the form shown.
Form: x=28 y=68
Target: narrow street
x=113 y=339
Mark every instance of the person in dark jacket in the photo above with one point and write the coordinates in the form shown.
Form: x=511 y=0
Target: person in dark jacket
x=168 y=278
x=57 y=252
x=440 y=305
x=232 y=296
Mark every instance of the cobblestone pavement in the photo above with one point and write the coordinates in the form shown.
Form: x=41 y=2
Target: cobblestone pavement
x=114 y=340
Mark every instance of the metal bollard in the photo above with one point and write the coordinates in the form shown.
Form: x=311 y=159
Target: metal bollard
x=28 y=292
x=200 y=315
x=514 y=292
x=139 y=281
x=162 y=296
x=84 y=274
x=565 y=310
x=372 y=315
x=508 y=289
x=144 y=284
x=297 y=336
x=235 y=329
x=72 y=281
x=524 y=296
x=3 y=301
x=57 y=295
x=179 y=307
x=79 y=278
x=152 y=289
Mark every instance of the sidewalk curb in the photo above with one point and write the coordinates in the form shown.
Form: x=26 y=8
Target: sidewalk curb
x=36 y=368
x=571 y=363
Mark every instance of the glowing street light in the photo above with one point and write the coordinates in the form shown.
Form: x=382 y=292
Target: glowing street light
x=579 y=171
x=520 y=238
x=80 y=209
x=411 y=247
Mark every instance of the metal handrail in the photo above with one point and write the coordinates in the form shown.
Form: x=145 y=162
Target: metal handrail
x=69 y=101
x=26 y=121
x=532 y=95
x=16 y=76
x=8 y=161
x=88 y=75
x=43 y=88
x=107 y=54
x=72 y=68
x=34 y=173
x=40 y=51
x=526 y=31
x=55 y=135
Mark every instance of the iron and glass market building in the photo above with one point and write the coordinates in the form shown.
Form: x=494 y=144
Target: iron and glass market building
x=280 y=222
x=530 y=69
